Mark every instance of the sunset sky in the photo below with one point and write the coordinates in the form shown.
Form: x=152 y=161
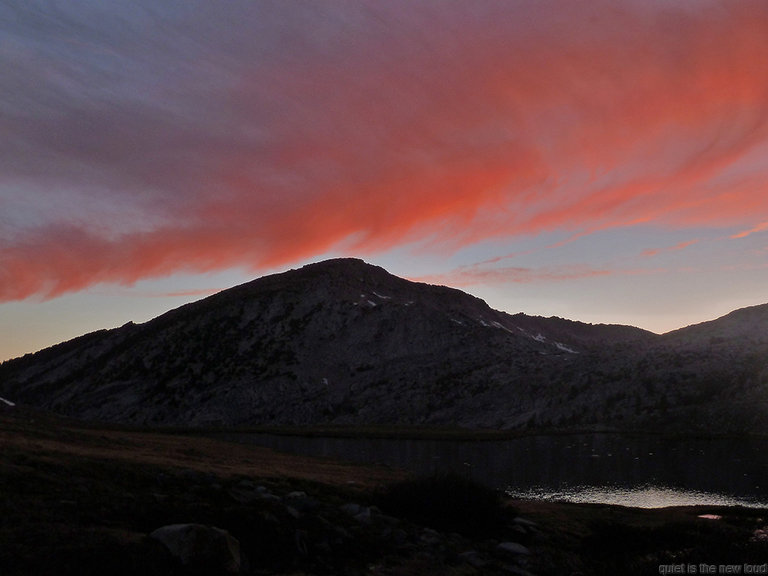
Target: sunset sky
x=605 y=161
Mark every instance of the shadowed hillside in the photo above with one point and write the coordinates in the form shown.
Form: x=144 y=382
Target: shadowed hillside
x=343 y=342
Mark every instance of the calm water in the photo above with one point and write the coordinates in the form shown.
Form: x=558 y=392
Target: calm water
x=611 y=468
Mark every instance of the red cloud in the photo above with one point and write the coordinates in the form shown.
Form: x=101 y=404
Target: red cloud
x=745 y=233
x=680 y=246
x=473 y=275
x=375 y=125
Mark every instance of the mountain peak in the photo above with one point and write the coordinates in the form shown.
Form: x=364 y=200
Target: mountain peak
x=341 y=264
x=346 y=342
x=350 y=268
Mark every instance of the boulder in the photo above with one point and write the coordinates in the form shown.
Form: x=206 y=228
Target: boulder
x=203 y=549
x=525 y=522
x=512 y=548
x=473 y=558
x=351 y=508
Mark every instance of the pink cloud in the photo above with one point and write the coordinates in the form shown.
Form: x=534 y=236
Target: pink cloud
x=676 y=247
x=296 y=131
x=759 y=228
x=186 y=293
x=480 y=274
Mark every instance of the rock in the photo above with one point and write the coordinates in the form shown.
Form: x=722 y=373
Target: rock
x=197 y=477
x=385 y=519
x=332 y=532
x=247 y=492
x=399 y=537
x=512 y=548
x=516 y=570
x=351 y=508
x=244 y=495
x=293 y=512
x=341 y=533
x=430 y=537
x=364 y=516
x=302 y=503
x=472 y=558
x=205 y=549
x=520 y=530
x=301 y=541
x=525 y=522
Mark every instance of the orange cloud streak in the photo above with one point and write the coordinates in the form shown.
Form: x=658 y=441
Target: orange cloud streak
x=452 y=124
x=681 y=246
x=745 y=233
x=474 y=275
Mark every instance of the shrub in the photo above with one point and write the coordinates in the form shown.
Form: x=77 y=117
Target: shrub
x=446 y=502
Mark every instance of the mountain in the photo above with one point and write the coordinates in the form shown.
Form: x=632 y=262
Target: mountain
x=343 y=342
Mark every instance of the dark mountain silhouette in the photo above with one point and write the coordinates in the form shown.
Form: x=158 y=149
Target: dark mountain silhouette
x=343 y=342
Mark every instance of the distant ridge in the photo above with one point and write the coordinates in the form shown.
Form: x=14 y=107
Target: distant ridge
x=343 y=342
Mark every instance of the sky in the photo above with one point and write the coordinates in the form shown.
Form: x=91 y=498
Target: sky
x=604 y=161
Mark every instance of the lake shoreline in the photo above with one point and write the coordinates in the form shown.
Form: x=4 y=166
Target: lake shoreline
x=383 y=431
x=448 y=434
x=88 y=498
x=603 y=466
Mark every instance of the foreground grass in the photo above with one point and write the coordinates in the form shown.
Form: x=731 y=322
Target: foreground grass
x=81 y=500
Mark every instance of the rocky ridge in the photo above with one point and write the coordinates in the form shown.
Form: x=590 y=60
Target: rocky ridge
x=342 y=342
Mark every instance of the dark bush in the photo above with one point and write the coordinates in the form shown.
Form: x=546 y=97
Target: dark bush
x=446 y=502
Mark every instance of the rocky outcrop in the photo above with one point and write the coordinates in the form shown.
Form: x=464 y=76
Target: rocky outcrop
x=201 y=549
x=309 y=531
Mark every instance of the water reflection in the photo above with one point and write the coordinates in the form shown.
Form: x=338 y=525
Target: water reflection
x=646 y=471
x=639 y=497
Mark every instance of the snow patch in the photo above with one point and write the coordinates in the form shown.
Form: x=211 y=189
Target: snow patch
x=7 y=402
x=500 y=325
x=382 y=296
x=366 y=300
x=459 y=322
x=539 y=337
x=565 y=348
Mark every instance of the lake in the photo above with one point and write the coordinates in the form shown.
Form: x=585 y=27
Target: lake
x=631 y=470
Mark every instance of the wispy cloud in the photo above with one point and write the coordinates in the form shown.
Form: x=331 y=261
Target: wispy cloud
x=759 y=228
x=481 y=274
x=681 y=246
x=185 y=293
x=144 y=139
